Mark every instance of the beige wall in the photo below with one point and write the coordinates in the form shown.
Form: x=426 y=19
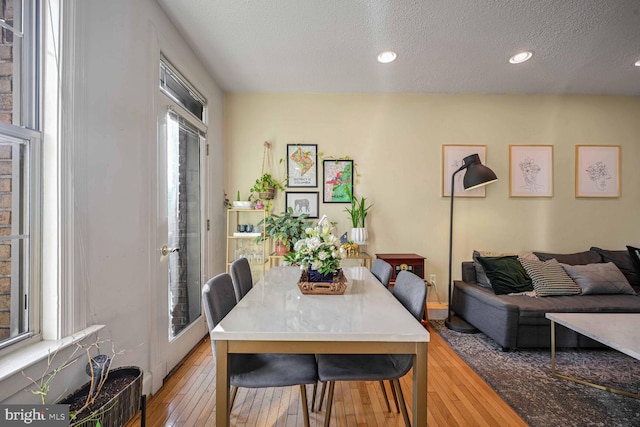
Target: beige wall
x=396 y=142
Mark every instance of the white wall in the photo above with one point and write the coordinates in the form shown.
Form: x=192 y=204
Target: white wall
x=396 y=142
x=114 y=133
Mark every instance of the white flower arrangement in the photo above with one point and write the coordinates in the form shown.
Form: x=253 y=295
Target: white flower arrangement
x=320 y=250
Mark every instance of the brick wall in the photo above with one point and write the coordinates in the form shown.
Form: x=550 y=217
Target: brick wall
x=5 y=246
x=6 y=115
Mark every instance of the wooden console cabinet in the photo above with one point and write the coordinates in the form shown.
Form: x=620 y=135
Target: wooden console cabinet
x=410 y=262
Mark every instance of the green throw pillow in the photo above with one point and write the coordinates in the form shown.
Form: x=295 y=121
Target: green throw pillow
x=506 y=274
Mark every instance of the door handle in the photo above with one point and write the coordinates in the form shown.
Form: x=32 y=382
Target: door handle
x=167 y=250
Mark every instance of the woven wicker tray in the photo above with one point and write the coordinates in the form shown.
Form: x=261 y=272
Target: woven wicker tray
x=337 y=287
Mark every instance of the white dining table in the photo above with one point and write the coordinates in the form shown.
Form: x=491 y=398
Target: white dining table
x=275 y=317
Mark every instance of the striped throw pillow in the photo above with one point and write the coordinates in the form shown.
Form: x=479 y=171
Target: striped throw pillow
x=549 y=278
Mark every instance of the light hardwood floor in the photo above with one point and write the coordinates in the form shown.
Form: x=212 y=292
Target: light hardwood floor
x=456 y=397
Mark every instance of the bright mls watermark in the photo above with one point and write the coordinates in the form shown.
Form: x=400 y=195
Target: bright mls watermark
x=34 y=415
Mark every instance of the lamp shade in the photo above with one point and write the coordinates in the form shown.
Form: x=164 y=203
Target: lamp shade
x=477 y=174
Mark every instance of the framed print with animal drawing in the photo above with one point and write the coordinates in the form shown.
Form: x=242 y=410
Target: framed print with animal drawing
x=303 y=203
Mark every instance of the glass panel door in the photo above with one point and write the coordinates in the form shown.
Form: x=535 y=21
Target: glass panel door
x=183 y=223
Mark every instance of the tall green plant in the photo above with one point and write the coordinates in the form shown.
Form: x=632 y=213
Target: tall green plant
x=358 y=211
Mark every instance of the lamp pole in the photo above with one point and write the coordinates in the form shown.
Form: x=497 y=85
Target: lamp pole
x=448 y=323
x=477 y=175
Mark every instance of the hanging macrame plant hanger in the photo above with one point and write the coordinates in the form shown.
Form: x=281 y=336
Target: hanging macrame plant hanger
x=270 y=192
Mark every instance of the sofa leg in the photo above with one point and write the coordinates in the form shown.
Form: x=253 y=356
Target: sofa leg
x=505 y=349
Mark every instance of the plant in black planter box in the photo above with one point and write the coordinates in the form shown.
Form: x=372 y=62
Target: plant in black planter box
x=110 y=398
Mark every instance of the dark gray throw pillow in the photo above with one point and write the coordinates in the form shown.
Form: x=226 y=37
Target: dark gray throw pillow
x=481 y=276
x=623 y=261
x=506 y=274
x=600 y=278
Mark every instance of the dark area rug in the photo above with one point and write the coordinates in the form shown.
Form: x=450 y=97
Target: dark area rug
x=523 y=379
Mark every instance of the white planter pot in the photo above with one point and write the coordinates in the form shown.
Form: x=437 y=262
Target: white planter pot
x=359 y=236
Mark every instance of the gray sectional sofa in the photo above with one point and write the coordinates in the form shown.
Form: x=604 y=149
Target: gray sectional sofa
x=518 y=321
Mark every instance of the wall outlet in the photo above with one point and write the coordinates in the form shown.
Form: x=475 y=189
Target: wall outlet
x=432 y=279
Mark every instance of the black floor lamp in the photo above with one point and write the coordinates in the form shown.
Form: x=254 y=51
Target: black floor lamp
x=477 y=175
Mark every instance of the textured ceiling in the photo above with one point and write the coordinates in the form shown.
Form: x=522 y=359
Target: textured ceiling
x=443 y=46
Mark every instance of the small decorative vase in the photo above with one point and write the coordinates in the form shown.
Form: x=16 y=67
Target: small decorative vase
x=359 y=235
x=316 y=276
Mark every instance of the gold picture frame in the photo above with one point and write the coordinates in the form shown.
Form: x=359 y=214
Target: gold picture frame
x=598 y=170
x=452 y=156
x=530 y=170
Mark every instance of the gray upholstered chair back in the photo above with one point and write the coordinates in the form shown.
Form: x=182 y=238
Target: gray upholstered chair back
x=218 y=298
x=241 y=277
x=411 y=291
x=382 y=270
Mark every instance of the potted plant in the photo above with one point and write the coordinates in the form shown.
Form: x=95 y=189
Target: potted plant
x=110 y=398
x=242 y=204
x=358 y=214
x=265 y=187
x=285 y=229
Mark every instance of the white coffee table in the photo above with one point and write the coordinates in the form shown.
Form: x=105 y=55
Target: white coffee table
x=616 y=330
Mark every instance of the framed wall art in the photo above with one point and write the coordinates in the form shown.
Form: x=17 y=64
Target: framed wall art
x=302 y=165
x=530 y=170
x=452 y=156
x=337 y=181
x=303 y=203
x=598 y=170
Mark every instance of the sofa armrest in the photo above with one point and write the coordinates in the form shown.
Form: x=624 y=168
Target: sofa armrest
x=490 y=313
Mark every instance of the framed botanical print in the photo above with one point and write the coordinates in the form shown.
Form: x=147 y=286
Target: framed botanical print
x=303 y=203
x=452 y=156
x=302 y=165
x=337 y=181
x=598 y=170
x=530 y=170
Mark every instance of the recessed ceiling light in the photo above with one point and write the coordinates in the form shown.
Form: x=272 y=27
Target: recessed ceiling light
x=637 y=64
x=387 y=56
x=520 y=57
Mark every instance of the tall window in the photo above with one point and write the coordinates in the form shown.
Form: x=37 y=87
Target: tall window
x=20 y=141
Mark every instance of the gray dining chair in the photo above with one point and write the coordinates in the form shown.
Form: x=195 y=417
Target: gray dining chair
x=241 y=277
x=256 y=370
x=383 y=271
x=411 y=292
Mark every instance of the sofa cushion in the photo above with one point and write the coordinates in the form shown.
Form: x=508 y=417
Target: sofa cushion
x=549 y=278
x=600 y=278
x=481 y=276
x=623 y=261
x=506 y=274
x=578 y=258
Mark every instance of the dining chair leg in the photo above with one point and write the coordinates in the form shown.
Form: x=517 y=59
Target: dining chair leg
x=313 y=396
x=327 y=416
x=395 y=397
x=234 y=391
x=403 y=406
x=384 y=394
x=305 y=407
x=322 y=391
